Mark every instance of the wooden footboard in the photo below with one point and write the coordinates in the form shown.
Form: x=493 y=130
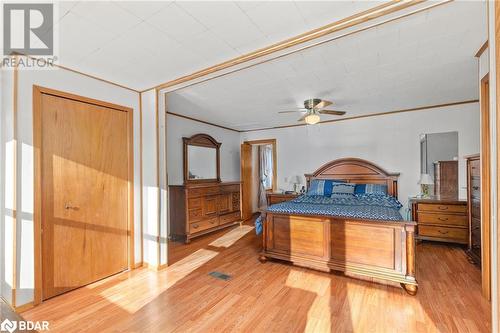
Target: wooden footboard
x=378 y=249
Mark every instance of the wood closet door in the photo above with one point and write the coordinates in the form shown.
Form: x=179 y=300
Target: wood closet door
x=84 y=161
x=246 y=178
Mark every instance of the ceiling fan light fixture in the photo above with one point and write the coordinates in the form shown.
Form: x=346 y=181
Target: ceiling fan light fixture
x=312 y=119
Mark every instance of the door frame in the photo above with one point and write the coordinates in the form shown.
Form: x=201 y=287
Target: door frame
x=252 y=143
x=38 y=91
x=275 y=157
x=485 y=159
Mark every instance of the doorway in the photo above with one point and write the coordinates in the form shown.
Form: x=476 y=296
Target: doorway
x=258 y=174
x=83 y=191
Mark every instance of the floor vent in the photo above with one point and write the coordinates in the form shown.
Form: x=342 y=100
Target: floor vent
x=220 y=276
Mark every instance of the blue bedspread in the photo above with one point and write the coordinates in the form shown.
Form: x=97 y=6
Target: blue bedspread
x=366 y=206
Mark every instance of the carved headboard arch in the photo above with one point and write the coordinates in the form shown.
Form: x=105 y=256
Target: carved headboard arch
x=356 y=170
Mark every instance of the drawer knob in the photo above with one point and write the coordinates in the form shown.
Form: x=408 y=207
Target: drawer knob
x=442 y=218
x=443 y=232
x=443 y=207
x=195 y=226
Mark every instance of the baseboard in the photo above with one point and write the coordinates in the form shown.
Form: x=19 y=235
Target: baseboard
x=155 y=268
x=24 y=307
x=137 y=265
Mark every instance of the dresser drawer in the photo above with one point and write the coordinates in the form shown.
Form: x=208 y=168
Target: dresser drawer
x=195 y=192
x=442 y=208
x=211 y=190
x=194 y=203
x=203 y=225
x=443 y=219
x=195 y=214
x=230 y=188
x=228 y=218
x=452 y=234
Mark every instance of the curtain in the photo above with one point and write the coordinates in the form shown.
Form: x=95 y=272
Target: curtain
x=266 y=172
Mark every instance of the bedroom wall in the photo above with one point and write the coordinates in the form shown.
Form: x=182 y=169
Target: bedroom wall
x=391 y=141
x=77 y=84
x=6 y=186
x=178 y=127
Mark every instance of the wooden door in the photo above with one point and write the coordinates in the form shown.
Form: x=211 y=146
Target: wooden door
x=84 y=193
x=225 y=203
x=209 y=206
x=246 y=178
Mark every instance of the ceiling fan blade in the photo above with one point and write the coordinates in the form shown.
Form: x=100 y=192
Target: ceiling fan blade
x=332 y=112
x=291 y=111
x=322 y=104
x=302 y=118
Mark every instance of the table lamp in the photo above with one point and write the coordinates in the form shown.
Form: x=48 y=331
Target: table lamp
x=425 y=182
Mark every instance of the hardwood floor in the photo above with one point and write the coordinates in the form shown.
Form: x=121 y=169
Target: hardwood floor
x=272 y=296
x=6 y=313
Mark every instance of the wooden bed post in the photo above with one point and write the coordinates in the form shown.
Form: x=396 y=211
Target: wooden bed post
x=410 y=260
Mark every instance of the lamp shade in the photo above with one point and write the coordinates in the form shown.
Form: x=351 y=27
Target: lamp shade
x=296 y=180
x=426 y=179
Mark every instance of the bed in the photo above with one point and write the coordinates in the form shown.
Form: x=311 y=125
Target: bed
x=358 y=236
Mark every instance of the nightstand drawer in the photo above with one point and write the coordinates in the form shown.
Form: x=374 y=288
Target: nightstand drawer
x=443 y=219
x=454 y=234
x=442 y=208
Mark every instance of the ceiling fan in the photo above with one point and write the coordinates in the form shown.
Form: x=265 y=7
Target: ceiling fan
x=313 y=107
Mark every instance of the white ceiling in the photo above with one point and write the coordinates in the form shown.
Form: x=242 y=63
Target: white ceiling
x=141 y=44
x=423 y=59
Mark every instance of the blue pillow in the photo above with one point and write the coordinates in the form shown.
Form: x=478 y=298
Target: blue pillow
x=378 y=189
x=322 y=187
x=342 y=189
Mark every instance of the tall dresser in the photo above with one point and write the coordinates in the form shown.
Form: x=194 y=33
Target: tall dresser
x=474 y=202
x=446 y=178
x=197 y=209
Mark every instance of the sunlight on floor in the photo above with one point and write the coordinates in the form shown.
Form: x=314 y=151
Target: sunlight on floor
x=169 y=276
x=165 y=278
x=318 y=316
x=232 y=236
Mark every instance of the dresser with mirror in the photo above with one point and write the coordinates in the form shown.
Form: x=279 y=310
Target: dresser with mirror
x=204 y=203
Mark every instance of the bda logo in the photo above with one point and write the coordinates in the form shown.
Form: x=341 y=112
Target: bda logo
x=8 y=326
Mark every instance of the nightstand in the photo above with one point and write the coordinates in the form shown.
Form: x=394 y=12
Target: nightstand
x=274 y=198
x=441 y=219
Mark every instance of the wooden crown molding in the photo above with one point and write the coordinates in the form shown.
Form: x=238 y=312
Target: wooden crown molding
x=353 y=20
x=201 y=121
x=421 y=108
x=481 y=49
x=82 y=73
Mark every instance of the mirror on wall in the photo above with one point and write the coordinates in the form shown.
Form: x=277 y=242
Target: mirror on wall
x=201 y=159
x=439 y=162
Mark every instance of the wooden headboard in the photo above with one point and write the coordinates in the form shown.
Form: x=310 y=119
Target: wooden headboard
x=355 y=170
